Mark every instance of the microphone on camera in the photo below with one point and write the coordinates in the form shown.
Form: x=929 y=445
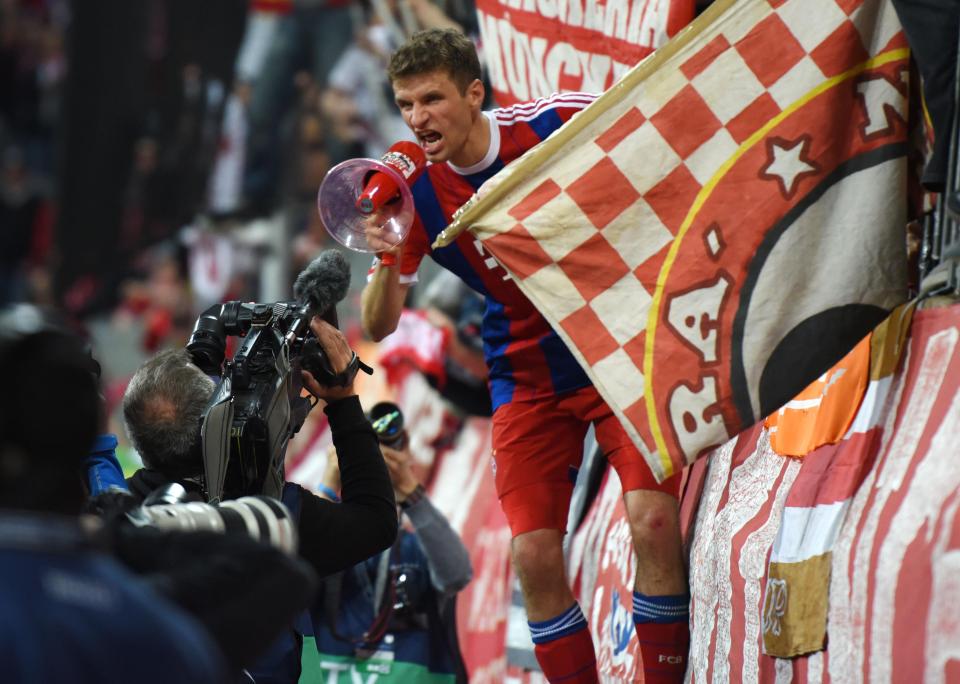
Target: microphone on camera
x=318 y=288
x=322 y=284
x=404 y=157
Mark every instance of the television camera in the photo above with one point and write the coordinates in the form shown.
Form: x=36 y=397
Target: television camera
x=257 y=406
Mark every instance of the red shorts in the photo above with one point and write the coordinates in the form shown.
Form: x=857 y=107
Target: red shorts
x=538 y=449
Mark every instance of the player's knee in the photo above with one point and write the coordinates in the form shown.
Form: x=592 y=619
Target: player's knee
x=655 y=527
x=538 y=557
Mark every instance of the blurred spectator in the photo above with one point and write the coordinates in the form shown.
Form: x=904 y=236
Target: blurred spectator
x=356 y=102
x=311 y=240
x=59 y=589
x=440 y=338
x=309 y=36
x=161 y=300
x=451 y=305
x=393 y=614
x=142 y=214
x=25 y=225
x=137 y=71
x=263 y=20
x=32 y=68
x=225 y=191
x=311 y=153
x=221 y=260
x=343 y=48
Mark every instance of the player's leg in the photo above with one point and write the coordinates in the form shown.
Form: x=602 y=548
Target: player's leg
x=536 y=455
x=562 y=642
x=661 y=595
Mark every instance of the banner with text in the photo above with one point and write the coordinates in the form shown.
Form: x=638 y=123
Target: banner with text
x=533 y=48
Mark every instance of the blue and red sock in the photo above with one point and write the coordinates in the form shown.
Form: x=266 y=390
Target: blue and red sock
x=564 y=648
x=663 y=629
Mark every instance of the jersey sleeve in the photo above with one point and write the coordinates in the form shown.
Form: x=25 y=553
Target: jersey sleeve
x=545 y=112
x=568 y=104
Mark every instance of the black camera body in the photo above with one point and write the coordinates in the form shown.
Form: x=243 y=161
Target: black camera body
x=257 y=408
x=207 y=343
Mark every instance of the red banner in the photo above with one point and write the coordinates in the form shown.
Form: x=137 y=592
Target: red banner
x=533 y=48
x=892 y=577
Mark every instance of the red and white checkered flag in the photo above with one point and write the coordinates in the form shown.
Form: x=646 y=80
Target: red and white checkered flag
x=724 y=223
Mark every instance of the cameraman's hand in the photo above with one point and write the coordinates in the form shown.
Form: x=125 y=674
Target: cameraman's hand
x=401 y=474
x=338 y=353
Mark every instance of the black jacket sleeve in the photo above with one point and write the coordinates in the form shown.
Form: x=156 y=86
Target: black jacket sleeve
x=333 y=536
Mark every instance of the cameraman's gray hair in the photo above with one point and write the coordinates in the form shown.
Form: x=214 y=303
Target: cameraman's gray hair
x=162 y=409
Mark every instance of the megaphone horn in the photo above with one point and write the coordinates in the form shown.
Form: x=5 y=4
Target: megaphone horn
x=366 y=204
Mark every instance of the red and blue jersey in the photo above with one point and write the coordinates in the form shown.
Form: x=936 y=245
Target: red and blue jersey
x=526 y=358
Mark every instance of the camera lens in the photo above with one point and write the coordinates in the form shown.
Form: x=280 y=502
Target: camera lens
x=387 y=419
x=388 y=425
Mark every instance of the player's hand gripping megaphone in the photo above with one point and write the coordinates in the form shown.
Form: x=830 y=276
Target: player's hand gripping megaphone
x=366 y=204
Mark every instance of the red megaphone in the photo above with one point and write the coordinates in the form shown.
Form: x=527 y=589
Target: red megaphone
x=366 y=204
x=407 y=159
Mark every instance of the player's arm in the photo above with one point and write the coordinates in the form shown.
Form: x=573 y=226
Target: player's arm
x=388 y=281
x=382 y=301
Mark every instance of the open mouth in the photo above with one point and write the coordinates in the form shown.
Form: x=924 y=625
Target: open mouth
x=429 y=141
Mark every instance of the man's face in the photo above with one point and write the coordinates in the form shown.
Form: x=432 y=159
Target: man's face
x=437 y=112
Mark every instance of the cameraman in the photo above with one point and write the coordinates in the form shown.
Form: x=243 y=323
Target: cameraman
x=393 y=614
x=70 y=612
x=162 y=410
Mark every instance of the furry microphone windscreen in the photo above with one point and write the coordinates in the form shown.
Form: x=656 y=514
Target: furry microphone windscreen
x=324 y=282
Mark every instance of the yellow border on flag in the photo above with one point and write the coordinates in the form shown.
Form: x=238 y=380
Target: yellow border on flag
x=535 y=158
x=702 y=196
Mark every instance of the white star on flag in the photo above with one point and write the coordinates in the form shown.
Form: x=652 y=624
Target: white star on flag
x=787 y=164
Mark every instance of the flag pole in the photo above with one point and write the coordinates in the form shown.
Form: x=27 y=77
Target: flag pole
x=532 y=160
